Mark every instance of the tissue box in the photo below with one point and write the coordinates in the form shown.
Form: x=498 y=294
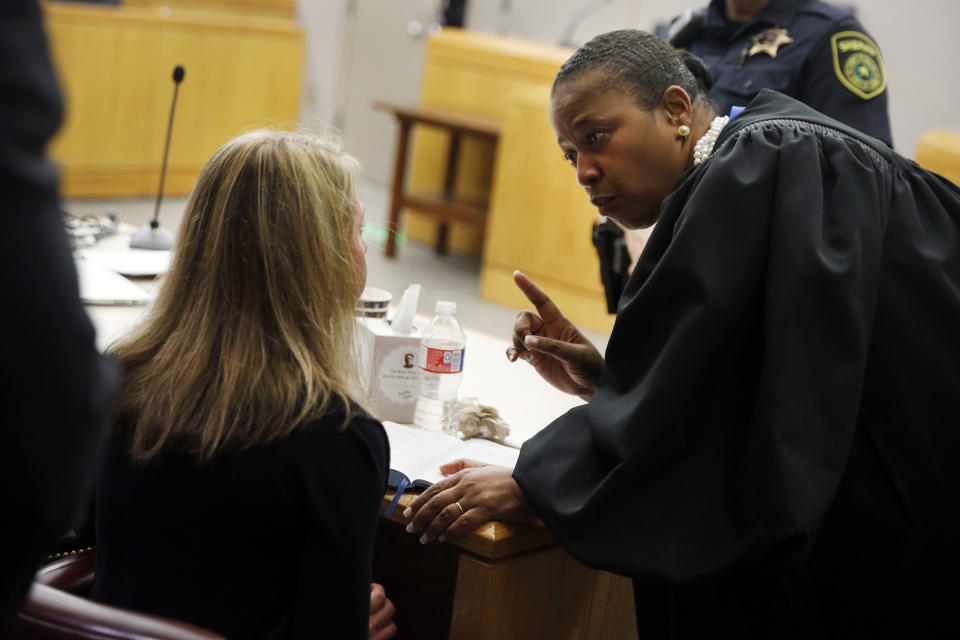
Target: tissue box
x=389 y=368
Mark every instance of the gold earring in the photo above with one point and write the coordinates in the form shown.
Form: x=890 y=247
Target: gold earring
x=683 y=130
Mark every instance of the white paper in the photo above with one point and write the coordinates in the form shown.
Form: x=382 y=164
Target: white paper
x=131 y=262
x=418 y=453
x=101 y=285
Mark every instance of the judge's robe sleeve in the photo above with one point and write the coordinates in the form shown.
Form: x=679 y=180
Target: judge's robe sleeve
x=723 y=418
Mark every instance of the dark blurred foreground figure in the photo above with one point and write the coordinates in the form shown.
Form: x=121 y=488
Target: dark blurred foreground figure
x=55 y=385
x=816 y=52
x=770 y=446
x=242 y=486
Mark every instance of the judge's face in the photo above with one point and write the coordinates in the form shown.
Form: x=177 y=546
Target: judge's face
x=626 y=157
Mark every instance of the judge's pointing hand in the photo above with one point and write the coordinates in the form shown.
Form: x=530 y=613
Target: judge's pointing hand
x=556 y=349
x=471 y=494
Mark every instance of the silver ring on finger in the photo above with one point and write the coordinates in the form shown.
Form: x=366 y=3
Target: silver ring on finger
x=460 y=506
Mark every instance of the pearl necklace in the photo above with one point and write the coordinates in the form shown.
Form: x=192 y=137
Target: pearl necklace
x=704 y=146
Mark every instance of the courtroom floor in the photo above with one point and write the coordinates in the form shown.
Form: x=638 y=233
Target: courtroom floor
x=452 y=277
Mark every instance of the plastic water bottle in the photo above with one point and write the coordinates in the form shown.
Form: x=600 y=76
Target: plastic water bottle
x=441 y=368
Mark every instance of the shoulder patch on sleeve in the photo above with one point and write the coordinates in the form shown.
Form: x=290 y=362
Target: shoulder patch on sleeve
x=858 y=64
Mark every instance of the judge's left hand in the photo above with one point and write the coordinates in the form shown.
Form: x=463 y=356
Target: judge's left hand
x=484 y=492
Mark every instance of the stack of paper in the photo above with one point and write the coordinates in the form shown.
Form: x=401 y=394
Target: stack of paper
x=101 y=285
x=131 y=262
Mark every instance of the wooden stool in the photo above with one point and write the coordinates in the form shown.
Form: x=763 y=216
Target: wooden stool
x=445 y=206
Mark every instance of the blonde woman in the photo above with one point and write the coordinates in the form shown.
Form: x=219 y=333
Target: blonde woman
x=242 y=484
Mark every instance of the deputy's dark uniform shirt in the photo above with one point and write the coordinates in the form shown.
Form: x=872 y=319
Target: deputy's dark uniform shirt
x=772 y=449
x=812 y=51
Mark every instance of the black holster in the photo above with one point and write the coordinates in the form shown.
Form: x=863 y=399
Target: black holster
x=611 y=247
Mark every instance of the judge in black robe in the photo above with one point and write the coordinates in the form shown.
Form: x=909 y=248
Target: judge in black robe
x=776 y=430
x=771 y=447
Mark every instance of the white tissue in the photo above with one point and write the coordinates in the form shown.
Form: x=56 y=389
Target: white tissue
x=480 y=421
x=406 y=309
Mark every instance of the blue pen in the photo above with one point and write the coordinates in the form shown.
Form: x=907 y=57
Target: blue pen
x=396 y=498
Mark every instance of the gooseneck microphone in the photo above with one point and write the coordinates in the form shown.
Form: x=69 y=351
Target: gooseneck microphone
x=152 y=235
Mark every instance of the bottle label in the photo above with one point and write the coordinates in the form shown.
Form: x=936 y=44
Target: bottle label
x=441 y=360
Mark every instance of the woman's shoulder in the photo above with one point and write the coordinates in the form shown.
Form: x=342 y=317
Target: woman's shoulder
x=342 y=422
x=344 y=442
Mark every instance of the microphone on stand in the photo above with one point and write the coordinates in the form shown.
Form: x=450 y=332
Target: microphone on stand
x=152 y=235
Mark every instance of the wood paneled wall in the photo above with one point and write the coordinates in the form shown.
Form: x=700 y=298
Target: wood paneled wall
x=539 y=219
x=115 y=66
x=273 y=8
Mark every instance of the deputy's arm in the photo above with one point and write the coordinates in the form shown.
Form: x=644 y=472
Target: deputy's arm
x=845 y=79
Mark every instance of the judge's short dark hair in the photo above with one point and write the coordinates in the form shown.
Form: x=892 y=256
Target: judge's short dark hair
x=639 y=63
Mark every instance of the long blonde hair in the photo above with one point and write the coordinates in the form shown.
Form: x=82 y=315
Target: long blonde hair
x=252 y=332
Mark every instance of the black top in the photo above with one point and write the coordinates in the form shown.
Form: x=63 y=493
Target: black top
x=56 y=387
x=772 y=447
x=830 y=64
x=275 y=541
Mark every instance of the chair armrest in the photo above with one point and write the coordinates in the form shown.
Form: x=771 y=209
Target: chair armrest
x=72 y=572
x=51 y=614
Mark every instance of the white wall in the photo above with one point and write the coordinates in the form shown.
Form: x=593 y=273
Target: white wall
x=919 y=40
x=323 y=22
x=566 y=22
x=921 y=51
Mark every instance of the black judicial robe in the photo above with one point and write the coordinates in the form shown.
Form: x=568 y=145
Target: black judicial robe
x=772 y=449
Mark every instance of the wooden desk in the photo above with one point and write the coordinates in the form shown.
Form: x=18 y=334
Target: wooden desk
x=507 y=581
x=446 y=205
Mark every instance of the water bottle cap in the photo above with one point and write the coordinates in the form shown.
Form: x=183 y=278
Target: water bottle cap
x=446 y=306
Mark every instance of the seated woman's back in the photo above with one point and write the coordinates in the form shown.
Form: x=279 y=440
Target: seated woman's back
x=273 y=539
x=242 y=484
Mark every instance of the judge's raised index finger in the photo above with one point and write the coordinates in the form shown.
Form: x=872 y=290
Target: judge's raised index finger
x=545 y=306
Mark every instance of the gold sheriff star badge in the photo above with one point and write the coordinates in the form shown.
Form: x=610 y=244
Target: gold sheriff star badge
x=768 y=41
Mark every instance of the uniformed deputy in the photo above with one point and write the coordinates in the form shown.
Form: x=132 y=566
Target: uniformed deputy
x=815 y=52
x=809 y=50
